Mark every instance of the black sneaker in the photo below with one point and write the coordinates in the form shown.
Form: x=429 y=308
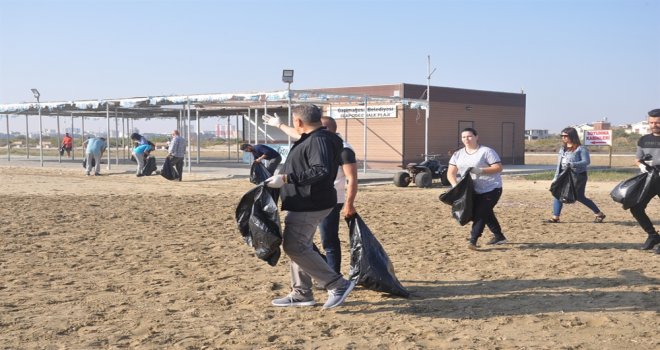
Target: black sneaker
x=657 y=250
x=651 y=242
x=497 y=240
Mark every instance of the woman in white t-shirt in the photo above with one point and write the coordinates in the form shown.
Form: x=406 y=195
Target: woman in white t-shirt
x=484 y=166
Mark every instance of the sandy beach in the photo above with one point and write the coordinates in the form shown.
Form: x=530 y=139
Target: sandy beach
x=117 y=261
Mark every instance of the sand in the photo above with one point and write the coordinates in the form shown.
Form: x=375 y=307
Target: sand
x=142 y=263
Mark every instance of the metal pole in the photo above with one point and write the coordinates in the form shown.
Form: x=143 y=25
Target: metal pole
x=364 y=146
x=256 y=126
x=188 y=133
x=249 y=125
x=238 y=157
x=198 y=126
x=73 y=139
x=107 y=130
x=265 y=125
x=123 y=136
x=8 y=140
x=116 y=138
x=428 y=110
x=59 y=144
x=27 y=136
x=41 y=131
x=289 y=104
x=82 y=130
x=228 y=138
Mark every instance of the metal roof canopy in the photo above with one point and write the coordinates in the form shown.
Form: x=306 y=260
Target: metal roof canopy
x=204 y=105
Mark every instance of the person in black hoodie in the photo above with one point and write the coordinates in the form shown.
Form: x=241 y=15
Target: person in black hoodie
x=308 y=195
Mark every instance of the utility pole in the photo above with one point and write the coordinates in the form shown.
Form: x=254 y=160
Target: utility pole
x=428 y=109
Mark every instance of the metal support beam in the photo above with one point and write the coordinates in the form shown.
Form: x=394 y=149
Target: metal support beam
x=8 y=140
x=188 y=137
x=27 y=136
x=59 y=143
x=198 y=140
x=107 y=119
x=364 y=144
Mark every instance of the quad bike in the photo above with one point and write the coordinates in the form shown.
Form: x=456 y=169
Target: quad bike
x=422 y=174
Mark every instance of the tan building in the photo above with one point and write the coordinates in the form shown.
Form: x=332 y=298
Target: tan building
x=397 y=139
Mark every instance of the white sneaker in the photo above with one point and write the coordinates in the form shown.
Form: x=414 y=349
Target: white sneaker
x=337 y=296
x=294 y=299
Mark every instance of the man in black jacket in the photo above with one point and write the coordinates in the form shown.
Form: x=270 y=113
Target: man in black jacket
x=308 y=194
x=649 y=145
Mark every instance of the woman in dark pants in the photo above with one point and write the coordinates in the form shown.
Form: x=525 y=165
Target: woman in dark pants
x=484 y=166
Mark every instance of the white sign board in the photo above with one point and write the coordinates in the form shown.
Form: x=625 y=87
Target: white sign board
x=598 y=138
x=373 y=111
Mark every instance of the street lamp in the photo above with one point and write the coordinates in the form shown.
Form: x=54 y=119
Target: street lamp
x=287 y=77
x=36 y=94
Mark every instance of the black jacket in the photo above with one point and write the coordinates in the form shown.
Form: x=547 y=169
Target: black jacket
x=311 y=168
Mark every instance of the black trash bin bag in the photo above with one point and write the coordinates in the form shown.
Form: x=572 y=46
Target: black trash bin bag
x=169 y=171
x=259 y=173
x=259 y=222
x=84 y=162
x=630 y=192
x=149 y=165
x=370 y=265
x=564 y=188
x=460 y=199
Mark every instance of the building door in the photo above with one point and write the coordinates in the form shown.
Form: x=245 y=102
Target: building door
x=507 y=153
x=462 y=124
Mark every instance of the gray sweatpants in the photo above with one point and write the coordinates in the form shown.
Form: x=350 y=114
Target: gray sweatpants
x=297 y=242
x=140 y=163
x=97 y=166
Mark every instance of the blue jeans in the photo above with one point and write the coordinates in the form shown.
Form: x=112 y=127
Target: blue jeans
x=483 y=214
x=329 y=229
x=581 y=185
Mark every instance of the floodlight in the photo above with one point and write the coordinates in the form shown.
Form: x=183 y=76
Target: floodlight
x=287 y=75
x=36 y=93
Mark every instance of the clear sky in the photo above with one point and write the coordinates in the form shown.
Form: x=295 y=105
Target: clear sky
x=578 y=61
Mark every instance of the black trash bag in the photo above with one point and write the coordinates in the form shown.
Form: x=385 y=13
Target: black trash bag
x=149 y=165
x=61 y=150
x=370 y=265
x=259 y=222
x=84 y=162
x=259 y=173
x=564 y=188
x=630 y=192
x=169 y=171
x=460 y=199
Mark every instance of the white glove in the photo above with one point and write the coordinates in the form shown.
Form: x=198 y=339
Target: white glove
x=275 y=181
x=272 y=121
x=642 y=168
x=476 y=170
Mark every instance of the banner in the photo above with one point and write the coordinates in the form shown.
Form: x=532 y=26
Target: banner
x=357 y=112
x=598 y=138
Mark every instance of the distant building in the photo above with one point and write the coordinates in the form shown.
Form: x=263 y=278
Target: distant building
x=641 y=128
x=602 y=125
x=535 y=134
x=581 y=128
x=225 y=131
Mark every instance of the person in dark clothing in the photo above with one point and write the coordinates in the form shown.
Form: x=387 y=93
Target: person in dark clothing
x=176 y=152
x=263 y=152
x=649 y=145
x=308 y=195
